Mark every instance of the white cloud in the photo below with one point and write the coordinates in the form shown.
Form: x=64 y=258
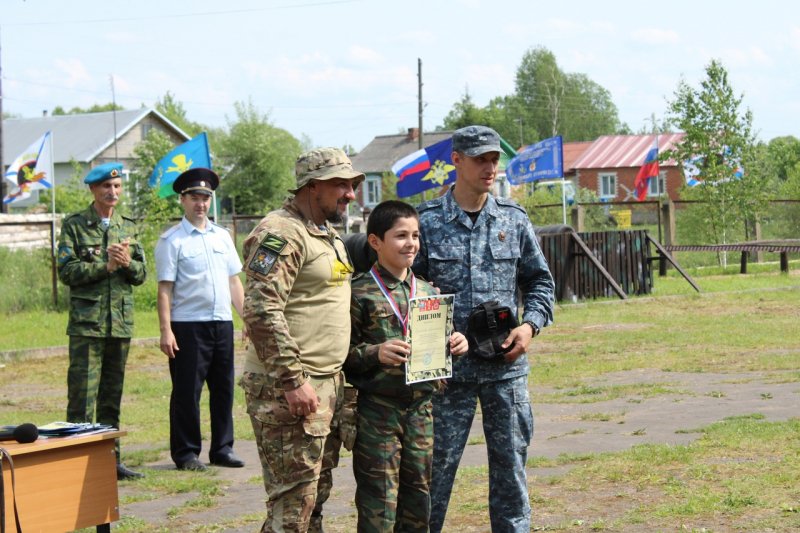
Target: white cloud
x=75 y=71
x=364 y=55
x=655 y=36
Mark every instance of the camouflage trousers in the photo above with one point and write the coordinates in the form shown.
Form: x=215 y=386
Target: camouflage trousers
x=345 y=436
x=95 y=379
x=392 y=463
x=293 y=450
x=508 y=429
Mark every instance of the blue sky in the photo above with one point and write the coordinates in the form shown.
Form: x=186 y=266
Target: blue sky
x=343 y=71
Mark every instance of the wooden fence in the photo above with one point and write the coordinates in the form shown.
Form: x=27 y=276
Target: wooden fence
x=598 y=264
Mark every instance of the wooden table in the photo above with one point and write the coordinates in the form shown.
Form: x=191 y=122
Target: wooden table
x=63 y=484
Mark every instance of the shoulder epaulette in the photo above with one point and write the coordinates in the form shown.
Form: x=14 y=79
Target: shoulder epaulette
x=129 y=219
x=359 y=275
x=429 y=204
x=508 y=202
x=218 y=225
x=170 y=231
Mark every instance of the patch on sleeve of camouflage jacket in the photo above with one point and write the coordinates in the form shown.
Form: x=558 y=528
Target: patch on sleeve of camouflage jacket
x=263 y=260
x=64 y=253
x=273 y=242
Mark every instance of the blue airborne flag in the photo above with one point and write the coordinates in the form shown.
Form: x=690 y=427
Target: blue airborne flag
x=191 y=154
x=543 y=160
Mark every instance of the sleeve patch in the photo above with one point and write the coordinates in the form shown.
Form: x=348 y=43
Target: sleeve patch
x=273 y=242
x=263 y=260
x=64 y=253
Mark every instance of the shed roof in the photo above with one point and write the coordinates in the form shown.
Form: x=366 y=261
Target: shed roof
x=385 y=150
x=81 y=137
x=616 y=151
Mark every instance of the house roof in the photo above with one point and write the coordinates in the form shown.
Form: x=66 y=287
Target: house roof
x=616 y=151
x=80 y=137
x=572 y=151
x=385 y=150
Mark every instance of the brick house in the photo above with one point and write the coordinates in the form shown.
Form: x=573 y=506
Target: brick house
x=609 y=165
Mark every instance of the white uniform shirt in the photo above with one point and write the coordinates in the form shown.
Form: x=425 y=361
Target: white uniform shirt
x=200 y=264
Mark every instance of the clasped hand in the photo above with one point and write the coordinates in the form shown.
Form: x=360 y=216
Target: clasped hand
x=119 y=255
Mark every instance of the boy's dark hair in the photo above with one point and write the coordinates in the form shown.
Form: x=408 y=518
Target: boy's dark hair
x=385 y=214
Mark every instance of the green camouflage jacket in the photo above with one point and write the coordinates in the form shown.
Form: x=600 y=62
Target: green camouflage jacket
x=101 y=302
x=372 y=323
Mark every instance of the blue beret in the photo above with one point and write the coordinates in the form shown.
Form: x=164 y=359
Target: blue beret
x=104 y=172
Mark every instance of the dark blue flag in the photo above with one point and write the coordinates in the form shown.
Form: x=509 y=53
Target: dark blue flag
x=543 y=160
x=425 y=169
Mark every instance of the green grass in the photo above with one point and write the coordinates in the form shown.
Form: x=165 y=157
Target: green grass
x=740 y=474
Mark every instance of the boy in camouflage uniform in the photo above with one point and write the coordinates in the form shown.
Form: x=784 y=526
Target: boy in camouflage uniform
x=483 y=248
x=296 y=301
x=100 y=259
x=394 y=441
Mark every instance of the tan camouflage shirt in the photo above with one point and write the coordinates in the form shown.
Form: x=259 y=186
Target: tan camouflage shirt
x=297 y=298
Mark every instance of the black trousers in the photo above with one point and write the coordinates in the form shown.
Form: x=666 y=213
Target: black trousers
x=205 y=355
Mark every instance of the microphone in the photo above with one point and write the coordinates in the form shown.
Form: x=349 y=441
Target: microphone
x=23 y=433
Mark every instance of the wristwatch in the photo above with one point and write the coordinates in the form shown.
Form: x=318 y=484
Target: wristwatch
x=534 y=327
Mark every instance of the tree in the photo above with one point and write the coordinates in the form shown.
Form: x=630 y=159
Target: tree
x=173 y=109
x=95 y=108
x=72 y=195
x=546 y=102
x=258 y=161
x=783 y=155
x=153 y=213
x=719 y=136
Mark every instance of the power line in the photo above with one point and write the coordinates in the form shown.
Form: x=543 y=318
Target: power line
x=182 y=15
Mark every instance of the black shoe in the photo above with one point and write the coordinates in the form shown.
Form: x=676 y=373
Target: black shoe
x=192 y=464
x=229 y=460
x=123 y=472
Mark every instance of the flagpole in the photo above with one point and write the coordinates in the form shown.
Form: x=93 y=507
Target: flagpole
x=53 y=222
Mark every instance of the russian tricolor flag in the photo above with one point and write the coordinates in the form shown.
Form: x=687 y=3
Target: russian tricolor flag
x=648 y=170
x=425 y=169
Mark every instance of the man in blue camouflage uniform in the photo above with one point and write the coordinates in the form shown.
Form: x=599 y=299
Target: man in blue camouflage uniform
x=483 y=248
x=100 y=259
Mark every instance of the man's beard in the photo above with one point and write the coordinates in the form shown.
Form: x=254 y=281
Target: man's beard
x=334 y=216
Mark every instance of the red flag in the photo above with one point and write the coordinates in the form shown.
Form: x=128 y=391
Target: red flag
x=649 y=170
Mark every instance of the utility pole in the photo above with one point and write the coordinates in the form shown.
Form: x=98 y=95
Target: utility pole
x=419 y=102
x=114 y=111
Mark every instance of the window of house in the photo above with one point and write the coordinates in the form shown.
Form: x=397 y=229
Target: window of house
x=146 y=129
x=372 y=191
x=657 y=187
x=607 y=186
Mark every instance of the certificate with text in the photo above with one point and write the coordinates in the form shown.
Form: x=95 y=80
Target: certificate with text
x=430 y=324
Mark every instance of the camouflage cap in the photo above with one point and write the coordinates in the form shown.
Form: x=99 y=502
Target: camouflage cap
x=476 y=140
x=324 y=164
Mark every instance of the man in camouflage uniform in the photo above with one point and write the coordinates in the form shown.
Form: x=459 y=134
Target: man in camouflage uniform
x=483 y=248
x=100 y=259
x=297 y=301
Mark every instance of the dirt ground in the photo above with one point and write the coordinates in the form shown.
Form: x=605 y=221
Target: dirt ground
x=700 y=399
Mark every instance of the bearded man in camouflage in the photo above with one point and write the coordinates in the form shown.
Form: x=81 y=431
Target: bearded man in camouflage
x=100 y=259
x=297 y=311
